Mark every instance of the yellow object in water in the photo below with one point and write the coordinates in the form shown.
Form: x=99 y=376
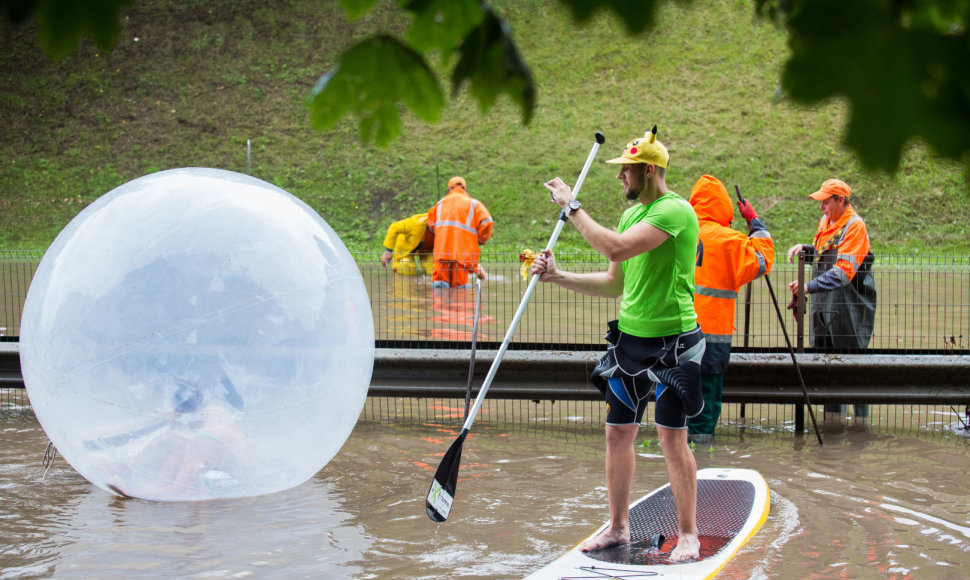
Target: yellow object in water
x=526 y=257
x=404 y=238
x=412 y=264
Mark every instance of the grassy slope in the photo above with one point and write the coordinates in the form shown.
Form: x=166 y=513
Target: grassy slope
x=189 y=82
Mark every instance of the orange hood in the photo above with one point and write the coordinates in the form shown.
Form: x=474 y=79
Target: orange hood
x=711 y=201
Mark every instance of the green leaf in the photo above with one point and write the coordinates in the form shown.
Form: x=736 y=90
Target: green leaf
x=383 y=125
x=637 y=15
x=62 y=23
x=492 y=64
x=904 y=79
x=371 y=79
x=442 y=24
x=354 y=9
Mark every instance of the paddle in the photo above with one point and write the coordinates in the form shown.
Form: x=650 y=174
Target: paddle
x=791 y=351
x=471 y=362
x=441 y=495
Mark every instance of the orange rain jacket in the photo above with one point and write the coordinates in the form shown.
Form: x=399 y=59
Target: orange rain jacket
x=849 y=237
x=726 y=261
x=459 y=223
x=842 y=287
x=405 y=237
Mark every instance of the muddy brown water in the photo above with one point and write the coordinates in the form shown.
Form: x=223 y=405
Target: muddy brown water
x=887 y=500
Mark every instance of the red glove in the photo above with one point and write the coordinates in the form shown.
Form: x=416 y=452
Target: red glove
x=746 y=210
x=793 y=305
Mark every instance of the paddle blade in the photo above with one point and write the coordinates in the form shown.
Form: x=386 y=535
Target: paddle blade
x=442 y=492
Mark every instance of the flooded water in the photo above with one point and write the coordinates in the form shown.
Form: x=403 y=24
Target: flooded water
x=888 y=501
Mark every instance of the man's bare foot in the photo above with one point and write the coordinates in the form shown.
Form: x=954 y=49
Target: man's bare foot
x=688 y=548
x=609 y=537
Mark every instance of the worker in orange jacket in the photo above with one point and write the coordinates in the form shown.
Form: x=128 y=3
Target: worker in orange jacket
x=407 y=245
x=842 y=289
x=460 y=225
x=726 y=261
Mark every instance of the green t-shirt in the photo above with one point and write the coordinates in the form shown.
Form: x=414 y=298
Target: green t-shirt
x=658 y=286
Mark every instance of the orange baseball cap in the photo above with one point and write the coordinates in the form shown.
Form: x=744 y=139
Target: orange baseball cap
x=456 y=183
x=832 y=187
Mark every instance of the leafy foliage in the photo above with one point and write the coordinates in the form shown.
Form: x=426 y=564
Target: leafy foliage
x=637 y=15
x=62 y=23
x=440 y=25
x=491 y=63
x=372 y=77
x=903 y=66
x=190 y=83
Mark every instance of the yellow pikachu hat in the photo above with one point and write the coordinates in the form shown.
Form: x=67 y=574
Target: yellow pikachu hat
x=645 y=150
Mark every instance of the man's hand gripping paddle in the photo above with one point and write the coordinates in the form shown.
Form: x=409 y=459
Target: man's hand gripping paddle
x=441 y=495
x=791 y=351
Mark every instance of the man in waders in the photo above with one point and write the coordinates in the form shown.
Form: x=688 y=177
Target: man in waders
x=460 y=225
x=656 y=339
x=843 y=293
x=726 y=261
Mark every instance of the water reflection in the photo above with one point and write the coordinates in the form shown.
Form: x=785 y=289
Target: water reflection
x=410 y=303
x=418 y=311
x=881 y=504
x=61 y=526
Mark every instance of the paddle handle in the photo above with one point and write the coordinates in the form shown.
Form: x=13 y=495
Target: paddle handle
x=470 y=418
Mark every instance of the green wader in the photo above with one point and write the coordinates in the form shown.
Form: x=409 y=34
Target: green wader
x=713 y=386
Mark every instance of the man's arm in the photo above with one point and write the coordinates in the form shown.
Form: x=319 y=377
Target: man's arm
x=608 y=283
x=640 y=238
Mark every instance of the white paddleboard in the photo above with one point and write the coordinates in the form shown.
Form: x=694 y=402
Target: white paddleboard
x=731 y=505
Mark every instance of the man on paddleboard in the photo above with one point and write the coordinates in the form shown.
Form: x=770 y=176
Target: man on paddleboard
x=655 y=342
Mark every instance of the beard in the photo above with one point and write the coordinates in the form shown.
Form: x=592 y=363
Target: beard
x=635 y=184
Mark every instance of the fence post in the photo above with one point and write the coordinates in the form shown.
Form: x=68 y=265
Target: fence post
x=801 y=306
x=800 y=333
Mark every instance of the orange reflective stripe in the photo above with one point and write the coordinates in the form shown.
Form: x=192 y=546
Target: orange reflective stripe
x=460 y=223
x=731 y=260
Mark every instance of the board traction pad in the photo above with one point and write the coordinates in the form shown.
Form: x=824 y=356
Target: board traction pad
x=722 y=509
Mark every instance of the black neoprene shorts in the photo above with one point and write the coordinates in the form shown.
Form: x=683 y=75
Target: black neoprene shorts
x=632 y=366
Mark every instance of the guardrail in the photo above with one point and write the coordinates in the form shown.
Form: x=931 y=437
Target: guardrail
x=564 y=375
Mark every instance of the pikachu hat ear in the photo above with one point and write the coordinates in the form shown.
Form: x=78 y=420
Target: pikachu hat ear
x=645 y=150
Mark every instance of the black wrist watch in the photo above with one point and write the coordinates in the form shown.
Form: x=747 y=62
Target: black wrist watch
x=572 y=206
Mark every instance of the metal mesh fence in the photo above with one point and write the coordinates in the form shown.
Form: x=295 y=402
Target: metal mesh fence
x=14 y=400
x=736 y=418
x=923 y=306
x=17 y=268
x=589 y=416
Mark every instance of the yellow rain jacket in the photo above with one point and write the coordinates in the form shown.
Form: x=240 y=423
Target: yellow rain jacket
x=405 y=238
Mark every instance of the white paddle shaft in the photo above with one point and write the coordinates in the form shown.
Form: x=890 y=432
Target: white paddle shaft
x=525 y=299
